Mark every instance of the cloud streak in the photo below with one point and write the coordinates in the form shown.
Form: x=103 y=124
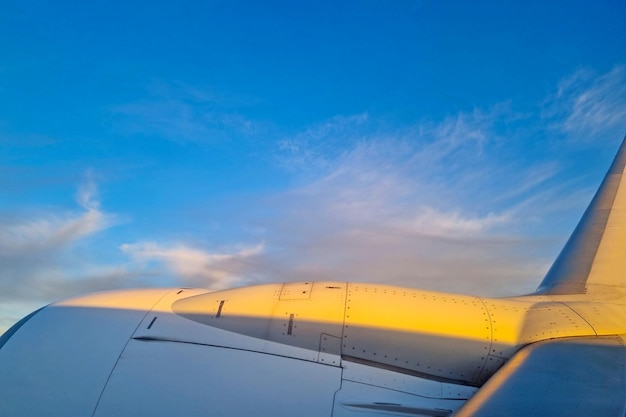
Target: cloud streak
x=184 y=114
x=404 y=208
x=87 y=196
x=410 y=206
x=52 y=233
x=196 y=267
x=34 y=251
x=588 y=105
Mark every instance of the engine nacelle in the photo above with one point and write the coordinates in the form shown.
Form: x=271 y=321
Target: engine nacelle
x=308 y=348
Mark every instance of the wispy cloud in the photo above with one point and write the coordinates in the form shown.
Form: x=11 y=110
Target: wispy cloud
x=197 y=267
x=34 y=251
x=441 y=204
x=42 y=258
x=405 y=207
x=51 y=232
x=87 y=195
x=463 y=130
x=183 y=113
x=315 y=148
x=587 y=105
x=435 y=223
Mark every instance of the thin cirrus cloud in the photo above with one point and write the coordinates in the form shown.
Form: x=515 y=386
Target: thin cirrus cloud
x=435 y=223
x=377 y=213
x=50 y=232
x=38 y=259
x=195 y=267
x=181 y=121
x=182 y=113
x=587 y=105
x=434 y=205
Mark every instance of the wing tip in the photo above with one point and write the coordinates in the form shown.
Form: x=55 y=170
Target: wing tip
x=570 y=271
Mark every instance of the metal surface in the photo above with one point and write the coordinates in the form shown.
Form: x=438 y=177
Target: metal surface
x=156 y=378
x=593 y=256
x=577 y=377
x=59 y=361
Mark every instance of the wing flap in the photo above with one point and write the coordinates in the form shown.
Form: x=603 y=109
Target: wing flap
x=573 y=377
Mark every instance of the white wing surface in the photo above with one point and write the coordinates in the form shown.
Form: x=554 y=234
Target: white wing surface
x=594 y=258
x=575 y=377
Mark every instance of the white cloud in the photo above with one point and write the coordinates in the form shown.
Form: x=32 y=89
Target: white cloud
x=465 y=129
x=51 y=232
x=38 y=259
x=435 y=223
x=196 y=267
x=381 y=176
x=587 y=105
x=408 y=207
x=314 y=149
x=87 y=195
x=446 y=205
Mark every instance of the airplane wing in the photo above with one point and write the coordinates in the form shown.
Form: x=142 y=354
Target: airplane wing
x=593 y=258
x=575 y=377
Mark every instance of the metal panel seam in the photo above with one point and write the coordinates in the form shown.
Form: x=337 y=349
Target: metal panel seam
x=95 y=408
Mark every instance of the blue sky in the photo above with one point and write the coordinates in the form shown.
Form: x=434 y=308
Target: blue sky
x=442 y=145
